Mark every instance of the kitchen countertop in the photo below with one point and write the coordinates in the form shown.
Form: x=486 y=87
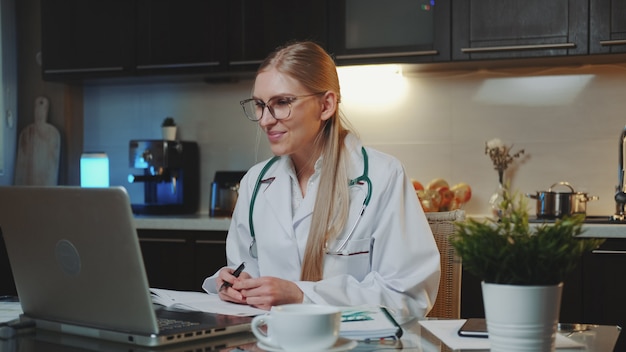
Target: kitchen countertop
x=193 y=222
x=595 y=226
x=199 y=222
x=604 y=230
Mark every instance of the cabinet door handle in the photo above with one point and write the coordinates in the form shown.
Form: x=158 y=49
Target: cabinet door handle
x=607 y=251
x=195 y=64
x=85 y=70
x=613 y=42
x=245 y=62
x=211 y=241
x=163 y=240
x=384 y=55
x=518 y=47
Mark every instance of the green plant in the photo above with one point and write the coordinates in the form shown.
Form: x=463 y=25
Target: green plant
x=510 y=251
x=168 y=122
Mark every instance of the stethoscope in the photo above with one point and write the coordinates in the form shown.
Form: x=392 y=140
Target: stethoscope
x=364 y=178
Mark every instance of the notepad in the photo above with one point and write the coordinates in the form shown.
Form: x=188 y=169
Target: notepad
x=201 y=302
x=367 y=323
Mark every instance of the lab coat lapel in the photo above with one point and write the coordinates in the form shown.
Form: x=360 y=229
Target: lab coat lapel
x=277 y=197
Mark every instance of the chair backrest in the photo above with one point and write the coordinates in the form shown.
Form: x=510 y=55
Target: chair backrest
x=448 y=302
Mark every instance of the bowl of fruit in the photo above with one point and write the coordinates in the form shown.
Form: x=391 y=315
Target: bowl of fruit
x=438 y=195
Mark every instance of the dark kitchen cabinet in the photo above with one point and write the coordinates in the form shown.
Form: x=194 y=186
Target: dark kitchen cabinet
x=180 y=36
x=257 y=27
x=604 y=287
x=500 y=29
x=572 y=303
x=7 y=284
x=210 y=256
x=87 y=38
x=96 y=38
x=607 y=28
x=372 y=31
x=182 y=259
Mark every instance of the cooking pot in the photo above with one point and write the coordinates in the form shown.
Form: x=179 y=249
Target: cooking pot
x=552 y=204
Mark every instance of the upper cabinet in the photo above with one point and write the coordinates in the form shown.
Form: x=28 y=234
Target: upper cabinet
x=607 y=26
x=496 y=29
x=257 y=27
x=372 y=31
x=180 y=36
x=87 y=38
x=97 y=38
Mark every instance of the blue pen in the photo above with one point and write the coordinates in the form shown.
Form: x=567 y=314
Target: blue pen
x=236 y=273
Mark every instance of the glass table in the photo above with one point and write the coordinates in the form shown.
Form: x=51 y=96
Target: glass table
x=594 y=338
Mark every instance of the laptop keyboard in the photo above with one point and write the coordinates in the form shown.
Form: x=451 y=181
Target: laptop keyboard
x=168 y=324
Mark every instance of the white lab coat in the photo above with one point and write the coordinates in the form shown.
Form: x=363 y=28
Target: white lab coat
x=391 y=259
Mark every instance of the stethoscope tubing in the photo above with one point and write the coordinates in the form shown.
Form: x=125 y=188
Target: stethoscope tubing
x=364 y=178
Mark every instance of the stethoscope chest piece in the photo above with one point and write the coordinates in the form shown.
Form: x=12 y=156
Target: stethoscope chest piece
x=252 y=249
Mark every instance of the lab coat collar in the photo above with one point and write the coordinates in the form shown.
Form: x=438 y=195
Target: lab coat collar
x=279 y=187
x=276 y=192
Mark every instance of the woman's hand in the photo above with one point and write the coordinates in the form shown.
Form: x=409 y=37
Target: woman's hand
x=265 y=292
x=229 y=293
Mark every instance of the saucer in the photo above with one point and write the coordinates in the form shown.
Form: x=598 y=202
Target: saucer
x=342 y=344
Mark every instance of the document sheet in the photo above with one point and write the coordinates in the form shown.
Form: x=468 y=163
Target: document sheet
x=201 y=301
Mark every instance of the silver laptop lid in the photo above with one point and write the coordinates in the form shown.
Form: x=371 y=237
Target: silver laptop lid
x=66 y=246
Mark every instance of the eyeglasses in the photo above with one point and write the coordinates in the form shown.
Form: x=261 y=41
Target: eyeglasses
x=279 y=107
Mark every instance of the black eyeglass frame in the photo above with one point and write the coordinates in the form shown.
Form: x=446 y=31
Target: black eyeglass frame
x=291 y=99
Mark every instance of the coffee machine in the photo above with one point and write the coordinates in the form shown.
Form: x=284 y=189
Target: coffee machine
x=171 y=176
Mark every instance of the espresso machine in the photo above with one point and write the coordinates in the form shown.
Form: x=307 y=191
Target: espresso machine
x=171 y=176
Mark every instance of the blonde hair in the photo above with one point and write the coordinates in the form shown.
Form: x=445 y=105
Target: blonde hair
x=309 y=64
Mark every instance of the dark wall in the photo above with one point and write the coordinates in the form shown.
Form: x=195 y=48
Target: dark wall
x=66 y=109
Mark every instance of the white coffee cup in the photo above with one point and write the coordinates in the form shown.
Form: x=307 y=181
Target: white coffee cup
x=298 y=327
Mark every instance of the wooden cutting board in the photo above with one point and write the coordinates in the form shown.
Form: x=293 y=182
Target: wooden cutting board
x=38 y=150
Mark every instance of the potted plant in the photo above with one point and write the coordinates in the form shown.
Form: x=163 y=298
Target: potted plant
x=168 y=129
x=522 y=269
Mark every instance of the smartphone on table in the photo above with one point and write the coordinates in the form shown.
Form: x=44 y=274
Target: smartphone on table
x=474 y=327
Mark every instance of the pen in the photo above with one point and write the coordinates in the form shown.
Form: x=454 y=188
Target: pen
x=236 y=273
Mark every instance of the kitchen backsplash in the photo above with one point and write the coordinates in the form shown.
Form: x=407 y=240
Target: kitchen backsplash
x=568 y=120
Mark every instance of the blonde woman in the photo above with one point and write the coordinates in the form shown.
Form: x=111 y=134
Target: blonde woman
x=326 y=220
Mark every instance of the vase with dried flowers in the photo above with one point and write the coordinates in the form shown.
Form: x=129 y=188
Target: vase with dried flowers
x=501 y=157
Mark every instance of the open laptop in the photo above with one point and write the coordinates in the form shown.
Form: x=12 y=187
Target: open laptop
x=78 y=268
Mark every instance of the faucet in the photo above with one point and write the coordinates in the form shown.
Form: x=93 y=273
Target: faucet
x=620 y=189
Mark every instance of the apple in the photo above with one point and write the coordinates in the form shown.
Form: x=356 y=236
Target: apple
x=462 y=192
x=427 y=205
x=446 y=198
x=436 y=183
x=417 y=185
x=434 y=199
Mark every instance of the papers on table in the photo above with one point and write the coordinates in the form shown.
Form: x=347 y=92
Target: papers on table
x=360 y=323
x=446 y=331
x=201 y=301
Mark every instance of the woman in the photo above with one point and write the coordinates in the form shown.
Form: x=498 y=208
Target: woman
x=306 y=240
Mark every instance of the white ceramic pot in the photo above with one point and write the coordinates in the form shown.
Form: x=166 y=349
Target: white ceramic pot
x=169 y=133
x=522 y=318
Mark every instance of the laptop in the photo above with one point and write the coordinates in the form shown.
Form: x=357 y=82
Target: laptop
x=78 y=268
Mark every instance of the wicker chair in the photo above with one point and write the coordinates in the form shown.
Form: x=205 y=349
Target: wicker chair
x=448 y=302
